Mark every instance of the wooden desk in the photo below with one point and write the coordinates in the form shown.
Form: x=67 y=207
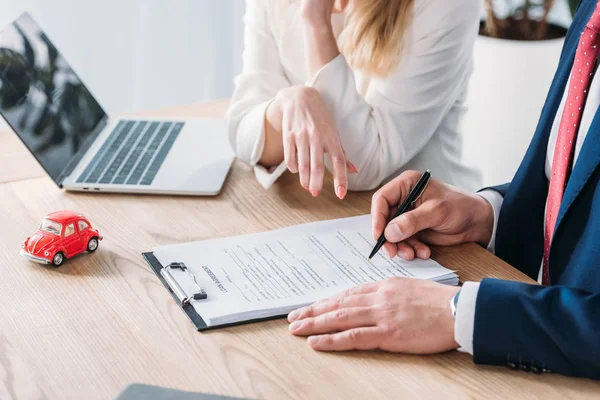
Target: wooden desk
x=102 y=321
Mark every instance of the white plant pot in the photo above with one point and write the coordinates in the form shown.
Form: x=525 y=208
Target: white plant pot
x=506 y=93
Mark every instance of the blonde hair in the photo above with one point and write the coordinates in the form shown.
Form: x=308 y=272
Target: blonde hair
x=373 y=34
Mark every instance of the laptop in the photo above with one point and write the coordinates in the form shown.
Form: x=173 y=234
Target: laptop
x=81 y=148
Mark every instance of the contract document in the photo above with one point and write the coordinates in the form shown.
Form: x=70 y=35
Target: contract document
x=269 y=274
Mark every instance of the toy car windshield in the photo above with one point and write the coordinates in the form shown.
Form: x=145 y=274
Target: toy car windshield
x=51 y=226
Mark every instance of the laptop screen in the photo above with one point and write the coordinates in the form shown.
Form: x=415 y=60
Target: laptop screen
x=42 y=98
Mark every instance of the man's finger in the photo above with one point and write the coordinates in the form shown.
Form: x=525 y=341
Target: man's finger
x=334 y=321
x=412 y=222
x=328 y=305
x=431 y=236
x=406 y=251
x=303 y=159
x=353 y=291
x=390 y=196
x=364 y=338
x=391 y=249
x=362 y=289
x=421 y=250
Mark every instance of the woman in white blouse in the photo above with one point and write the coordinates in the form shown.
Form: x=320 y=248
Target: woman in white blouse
x=366 y=88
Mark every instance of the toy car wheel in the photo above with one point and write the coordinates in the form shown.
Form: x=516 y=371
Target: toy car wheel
x=92 y=244
x=58 y=259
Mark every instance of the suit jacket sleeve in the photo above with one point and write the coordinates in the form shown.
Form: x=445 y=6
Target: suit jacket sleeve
x=554 y=328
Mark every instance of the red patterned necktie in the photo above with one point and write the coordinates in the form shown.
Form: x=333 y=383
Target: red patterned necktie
x=581 y=77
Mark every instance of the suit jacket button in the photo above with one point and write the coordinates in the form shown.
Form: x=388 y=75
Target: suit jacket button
x=524 y=367
x=511 y=365
x=535 y=369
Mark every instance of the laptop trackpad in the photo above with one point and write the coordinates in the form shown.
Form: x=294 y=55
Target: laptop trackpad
x=199 y=159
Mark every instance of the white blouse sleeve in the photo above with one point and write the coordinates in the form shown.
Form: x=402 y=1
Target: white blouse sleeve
x=261 y=78
x=400 y=114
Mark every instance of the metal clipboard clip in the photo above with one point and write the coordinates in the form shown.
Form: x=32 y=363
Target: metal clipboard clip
x=181 y=294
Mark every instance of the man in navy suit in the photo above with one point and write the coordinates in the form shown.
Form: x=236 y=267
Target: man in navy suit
x=546 y=223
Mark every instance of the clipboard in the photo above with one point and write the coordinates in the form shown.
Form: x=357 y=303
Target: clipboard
x=179 y=296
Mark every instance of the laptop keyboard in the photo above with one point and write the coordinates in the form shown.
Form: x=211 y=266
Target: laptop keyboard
x=132 y=154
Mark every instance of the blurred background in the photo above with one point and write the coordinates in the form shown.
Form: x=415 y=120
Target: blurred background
x=144 y=54
x=147 y=54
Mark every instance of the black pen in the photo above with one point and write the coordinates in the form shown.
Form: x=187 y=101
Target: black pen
x=412 y=197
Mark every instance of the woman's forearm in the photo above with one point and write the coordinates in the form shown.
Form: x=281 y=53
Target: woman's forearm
x=320 y=46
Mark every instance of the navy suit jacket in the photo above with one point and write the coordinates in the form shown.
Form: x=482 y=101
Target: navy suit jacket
x=557 y=327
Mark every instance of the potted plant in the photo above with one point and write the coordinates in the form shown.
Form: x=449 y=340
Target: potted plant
x=516 y=55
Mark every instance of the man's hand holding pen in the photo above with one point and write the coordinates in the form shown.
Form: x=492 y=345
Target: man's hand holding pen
x=443 y=215
x=401 y=315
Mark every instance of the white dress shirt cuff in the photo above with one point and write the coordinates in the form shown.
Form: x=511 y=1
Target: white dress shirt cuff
x=464 y=324
x=495 y=199
x=255 y=122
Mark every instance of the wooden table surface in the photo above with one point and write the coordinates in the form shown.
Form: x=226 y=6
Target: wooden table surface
x=102 y=321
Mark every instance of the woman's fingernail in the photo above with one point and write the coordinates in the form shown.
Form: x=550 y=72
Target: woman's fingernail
x=315 y=193
x=393 y=233
x=294 y=326
x=341 y=192
x=293 y=315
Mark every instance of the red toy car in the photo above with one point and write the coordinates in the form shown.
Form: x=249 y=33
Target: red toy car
x=62 y=235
